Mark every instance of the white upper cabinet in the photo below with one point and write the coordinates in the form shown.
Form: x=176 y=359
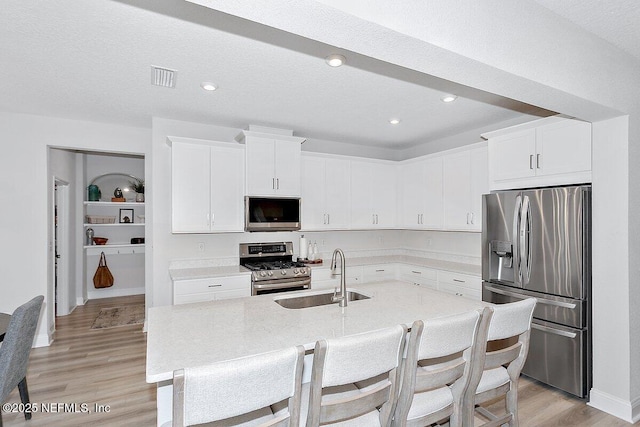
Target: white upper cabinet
x=207 y=182
x=272 y=164
x=465 y=181
x=373 y=194
x=420 y=194
x=325 y=192
x=551 y=151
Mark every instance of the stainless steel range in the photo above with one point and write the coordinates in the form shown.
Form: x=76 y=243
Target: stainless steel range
x=273 y=269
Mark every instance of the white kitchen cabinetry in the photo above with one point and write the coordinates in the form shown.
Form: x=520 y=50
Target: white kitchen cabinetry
x=322 y=278
x=551 y=151
x=466 y=179
x=378 y=272
x=272 y=164
x=213 y=289
x=373 y=194
x=325 y=193
x=207 y=185
x=118 y=233
x=462 y=285
x=421 y=196
x=420 y=276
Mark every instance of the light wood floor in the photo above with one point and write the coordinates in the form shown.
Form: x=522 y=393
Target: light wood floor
x=107 y=367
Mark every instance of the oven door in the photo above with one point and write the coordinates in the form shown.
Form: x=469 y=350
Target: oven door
x=280 y=285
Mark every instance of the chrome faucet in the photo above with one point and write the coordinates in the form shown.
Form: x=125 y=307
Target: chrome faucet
x=342 y=299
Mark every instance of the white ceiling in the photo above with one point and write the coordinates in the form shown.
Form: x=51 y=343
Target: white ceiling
x=91 y=60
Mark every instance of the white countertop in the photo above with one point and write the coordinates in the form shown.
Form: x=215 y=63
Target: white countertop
x=233 y=270
x=202 y=333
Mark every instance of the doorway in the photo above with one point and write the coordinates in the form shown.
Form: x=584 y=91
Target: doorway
x=61 y=248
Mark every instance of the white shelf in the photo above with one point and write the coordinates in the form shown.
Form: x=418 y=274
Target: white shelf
x=118 y=224
x=113 y=204
x=115 y=249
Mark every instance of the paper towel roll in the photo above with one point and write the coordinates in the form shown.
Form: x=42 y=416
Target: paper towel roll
x=303 y=247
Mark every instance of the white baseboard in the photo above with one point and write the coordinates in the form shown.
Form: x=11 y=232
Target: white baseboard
x=42 y=340
x=80 y=301
x=109 y=292
x=626 y=410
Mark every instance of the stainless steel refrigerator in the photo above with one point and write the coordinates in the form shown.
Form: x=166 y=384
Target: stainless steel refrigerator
x=537 y=243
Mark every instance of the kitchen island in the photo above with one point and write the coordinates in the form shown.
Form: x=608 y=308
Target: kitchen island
x=202 y=333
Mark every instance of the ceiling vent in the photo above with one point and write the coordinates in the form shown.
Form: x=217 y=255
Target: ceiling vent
x=164 y=77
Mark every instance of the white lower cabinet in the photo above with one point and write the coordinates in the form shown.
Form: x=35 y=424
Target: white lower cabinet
x=211 y=289
x=321 y=278
x=462 y=285
x=379 y=272
x=420 y=276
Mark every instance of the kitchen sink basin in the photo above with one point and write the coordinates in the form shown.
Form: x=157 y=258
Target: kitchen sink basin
x=306 y=301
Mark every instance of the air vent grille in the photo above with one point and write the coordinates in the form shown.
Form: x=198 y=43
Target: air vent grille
x=164 y=77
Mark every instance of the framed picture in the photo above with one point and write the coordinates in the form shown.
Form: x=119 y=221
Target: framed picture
x=126 y=216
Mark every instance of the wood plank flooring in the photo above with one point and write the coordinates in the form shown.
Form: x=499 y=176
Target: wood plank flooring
x=107 y=367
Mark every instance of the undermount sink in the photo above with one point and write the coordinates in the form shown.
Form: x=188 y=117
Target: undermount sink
x=306 y=301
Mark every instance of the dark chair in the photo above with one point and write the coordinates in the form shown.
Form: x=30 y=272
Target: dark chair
x=15 y=349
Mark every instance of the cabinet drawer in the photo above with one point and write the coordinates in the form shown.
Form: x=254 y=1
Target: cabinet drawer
x=414 y=273
x=354 y=275
x=472 y=283
x=215 y=284
x=373 y=273
x=188 y=298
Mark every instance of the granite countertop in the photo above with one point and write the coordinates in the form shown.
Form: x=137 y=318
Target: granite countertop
x=202 y=333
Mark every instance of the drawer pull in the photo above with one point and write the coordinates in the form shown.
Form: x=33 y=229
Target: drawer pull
x=458 y=280
x=215 y=286
x=379 y=271
x=416 y=272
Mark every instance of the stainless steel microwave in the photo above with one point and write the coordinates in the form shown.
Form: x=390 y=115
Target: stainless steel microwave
x=271 y=214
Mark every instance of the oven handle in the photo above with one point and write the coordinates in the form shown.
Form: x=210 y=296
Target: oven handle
x=553 y=331
x=538 y=299
x=280 y=284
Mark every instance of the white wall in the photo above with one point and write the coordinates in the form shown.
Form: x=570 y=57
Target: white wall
x=24 y=258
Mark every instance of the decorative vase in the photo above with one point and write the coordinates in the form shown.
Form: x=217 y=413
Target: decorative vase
x=140 y=197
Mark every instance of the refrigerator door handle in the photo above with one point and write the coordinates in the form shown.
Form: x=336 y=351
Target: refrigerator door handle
x=517 y=276
x=525 y=241
x=553 y=331
x=524 y=296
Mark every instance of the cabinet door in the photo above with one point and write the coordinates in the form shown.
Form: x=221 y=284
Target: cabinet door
x=457 y=191
x=479 y=184
x=432 y=191
x=413 y=182
x=513 y=156
x=361 y=212
x=227 y=188
x=260 y=164
x=287 y=168
x=563 y=147
x=336 y=193
x=313 y=193
x=383 y=194
x=190 y=188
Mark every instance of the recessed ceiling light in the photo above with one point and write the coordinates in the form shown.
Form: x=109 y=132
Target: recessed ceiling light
x=394 y=121
x=208 y=86
x=448 y=98
x=335 y=60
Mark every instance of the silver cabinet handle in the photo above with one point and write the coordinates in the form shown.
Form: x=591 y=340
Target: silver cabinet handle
x=538 y=161
x=217 y=285
x=472 y=219
x=531 y=161
x=418 y=218
x=553 y=331
x=458 y=280
x=213 y=219
x=328 y=218
x=376 y=218
x=273 y=183
x=416 y=272
x=379 y=271
x=277 y=183
x=467 y=218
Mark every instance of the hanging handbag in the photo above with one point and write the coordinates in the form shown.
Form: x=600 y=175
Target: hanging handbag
x=103 y=277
